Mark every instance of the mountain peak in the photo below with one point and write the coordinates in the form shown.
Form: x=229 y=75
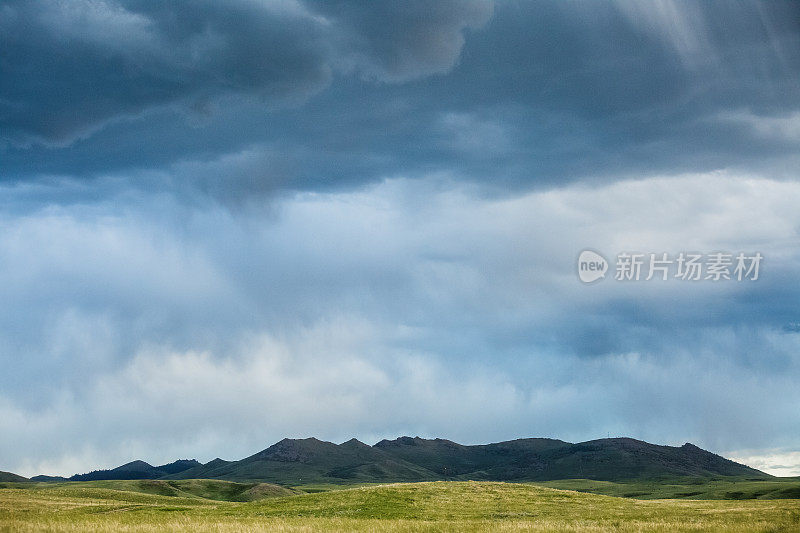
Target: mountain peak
x=354 y=442
x=134 y=466
x=418 y=442
x=401 y=441
x=294 y=450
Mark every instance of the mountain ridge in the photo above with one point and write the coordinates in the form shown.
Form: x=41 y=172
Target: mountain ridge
x=311 y=460
x=137 y=469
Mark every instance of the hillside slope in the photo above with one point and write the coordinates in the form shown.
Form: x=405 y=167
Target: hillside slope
x=6 y=477
x=309 y=461
x=414 y=459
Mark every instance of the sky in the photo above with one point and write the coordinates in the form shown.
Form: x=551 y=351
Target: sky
x=225 y=223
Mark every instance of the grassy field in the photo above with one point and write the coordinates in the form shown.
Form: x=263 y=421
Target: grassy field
x=686 y=488
x=437 y=506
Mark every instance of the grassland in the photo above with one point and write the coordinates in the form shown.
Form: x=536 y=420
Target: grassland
x=433 y=506
x=686 y=488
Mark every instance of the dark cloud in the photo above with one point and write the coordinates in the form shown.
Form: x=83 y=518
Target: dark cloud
x=399 y=41
x=68 y=67
x=545 y=93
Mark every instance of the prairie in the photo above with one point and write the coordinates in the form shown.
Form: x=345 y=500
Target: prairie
x=427 y=506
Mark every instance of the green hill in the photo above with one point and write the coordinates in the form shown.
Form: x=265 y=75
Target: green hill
x=208 y=489
x=447 y=459
x=617 y=459
x=114 y=506
x=8 y=477
x=469 y=501
x=308 y=461
x=48 y=479
x=312 y=461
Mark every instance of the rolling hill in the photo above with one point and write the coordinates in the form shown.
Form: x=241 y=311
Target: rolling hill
x=407 y=459
x=6 y=477
x=443 y=506
x=49 y=479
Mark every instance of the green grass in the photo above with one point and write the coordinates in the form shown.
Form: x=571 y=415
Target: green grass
x=431 y=506
x=207 y=489
x=686 y=488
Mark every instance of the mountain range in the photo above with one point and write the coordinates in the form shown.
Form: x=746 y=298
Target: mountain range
x=304 y=461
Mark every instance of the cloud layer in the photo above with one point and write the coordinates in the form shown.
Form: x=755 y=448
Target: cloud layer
x=375 y=312
x=338 y=94
x=72 y=66
x=223 y=223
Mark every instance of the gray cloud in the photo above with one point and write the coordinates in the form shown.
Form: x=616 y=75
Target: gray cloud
x=70 y=67
x=404 y=297
x=402 y=41
x=543 y=94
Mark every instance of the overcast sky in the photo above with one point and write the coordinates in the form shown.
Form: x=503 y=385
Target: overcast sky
x=225 y=223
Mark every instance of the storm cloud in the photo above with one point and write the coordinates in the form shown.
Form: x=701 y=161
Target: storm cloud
x=69 y=67
x=333 y=94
